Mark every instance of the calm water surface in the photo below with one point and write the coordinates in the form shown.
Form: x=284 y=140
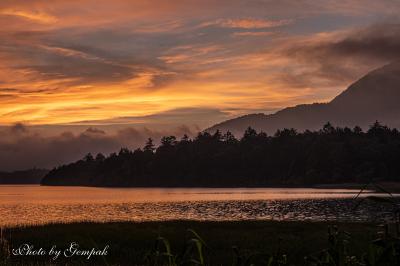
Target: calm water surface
x=31 y=204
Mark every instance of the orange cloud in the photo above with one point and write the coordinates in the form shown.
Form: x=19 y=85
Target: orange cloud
x=39 y=17
x=254 y=33
x=62 y=62
x=251 y=23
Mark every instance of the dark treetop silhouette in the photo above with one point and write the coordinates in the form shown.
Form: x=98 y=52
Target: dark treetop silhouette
x=329 y=155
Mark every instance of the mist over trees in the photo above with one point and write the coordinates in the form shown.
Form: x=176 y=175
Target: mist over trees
x=288 y=158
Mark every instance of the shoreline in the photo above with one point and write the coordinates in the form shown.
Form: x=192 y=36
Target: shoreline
x=393 y=187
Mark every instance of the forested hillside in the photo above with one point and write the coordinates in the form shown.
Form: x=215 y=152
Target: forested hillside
x=330 y=155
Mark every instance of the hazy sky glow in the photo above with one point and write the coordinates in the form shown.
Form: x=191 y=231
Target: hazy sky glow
x=189 y=62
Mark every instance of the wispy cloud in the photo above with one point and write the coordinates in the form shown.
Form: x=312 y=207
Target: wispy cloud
x=249 y=23
x=254 y=33
x=39 y=17
x=67 y=61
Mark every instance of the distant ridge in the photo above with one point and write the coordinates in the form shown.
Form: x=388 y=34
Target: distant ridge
x=30 y=176
x=376 y=96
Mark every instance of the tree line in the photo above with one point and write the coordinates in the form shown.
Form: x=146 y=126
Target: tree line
x=287 y=158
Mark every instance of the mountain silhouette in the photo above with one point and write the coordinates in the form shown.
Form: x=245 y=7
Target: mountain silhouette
x=374 y=97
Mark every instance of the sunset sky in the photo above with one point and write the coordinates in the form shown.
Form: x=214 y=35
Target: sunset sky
x=175 y=63
x=66 y=62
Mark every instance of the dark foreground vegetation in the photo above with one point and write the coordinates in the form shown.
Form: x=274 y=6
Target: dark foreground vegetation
x=207 y=243
x=330 y=155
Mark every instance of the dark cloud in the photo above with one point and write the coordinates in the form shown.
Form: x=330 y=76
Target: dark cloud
x=376 y=42
x=74 y=57
x=325 y=63
x=190 y=116
x=94 y=131
x=22 y=147
x=8 y=90
x=115 y=54
x=18 y=129
x=59 y=63
x=344 y=57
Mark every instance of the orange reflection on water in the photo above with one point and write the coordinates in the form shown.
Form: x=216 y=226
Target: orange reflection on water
x=37 y=205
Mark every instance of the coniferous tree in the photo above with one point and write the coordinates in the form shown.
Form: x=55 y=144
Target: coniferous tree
x=330 y=155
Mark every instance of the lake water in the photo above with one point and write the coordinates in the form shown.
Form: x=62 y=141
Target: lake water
x=32 y=204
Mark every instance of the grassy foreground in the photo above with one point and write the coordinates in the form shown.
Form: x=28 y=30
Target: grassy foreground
x=221 y=243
